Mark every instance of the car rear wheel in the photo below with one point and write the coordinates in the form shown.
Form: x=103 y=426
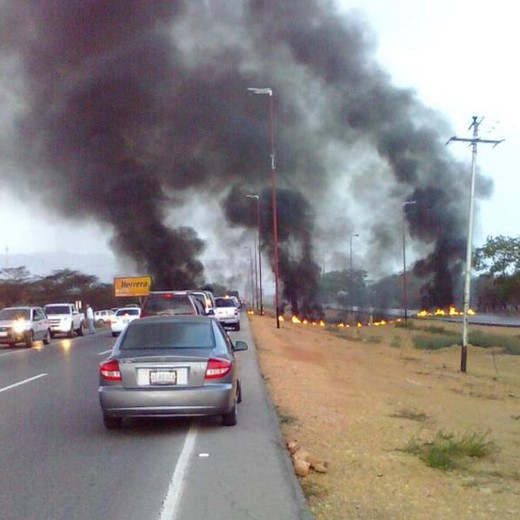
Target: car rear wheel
x=112 y=423
x=230 y=419
x=29 y=339
x=80 y=330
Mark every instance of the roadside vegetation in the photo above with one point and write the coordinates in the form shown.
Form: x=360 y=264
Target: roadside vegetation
x=447 y=451
x=437 y=337
x=431 y=337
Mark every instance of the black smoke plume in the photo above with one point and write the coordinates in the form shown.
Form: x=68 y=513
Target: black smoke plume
x=295 y=225
x=126 y=108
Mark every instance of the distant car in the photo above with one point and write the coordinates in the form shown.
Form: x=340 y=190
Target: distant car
x=64 y=318
x=104 y=316
x=238 y=302
x=170 y=303
x=164 y=366
x=206 y=299
x=24 y=324
x=122 y=318
x=227 y=312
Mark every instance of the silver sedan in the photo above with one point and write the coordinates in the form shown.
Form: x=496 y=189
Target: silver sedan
x=167 y=366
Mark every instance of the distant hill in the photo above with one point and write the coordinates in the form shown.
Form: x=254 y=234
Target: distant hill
x=42 y=264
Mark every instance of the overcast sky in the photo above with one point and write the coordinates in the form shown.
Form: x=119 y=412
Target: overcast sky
x=460 y=57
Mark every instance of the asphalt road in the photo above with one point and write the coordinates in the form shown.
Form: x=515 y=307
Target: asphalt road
x=58 y=462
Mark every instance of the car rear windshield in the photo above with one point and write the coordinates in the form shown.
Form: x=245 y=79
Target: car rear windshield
x=127 y=312
x=57 y=309
x=224 y=302
x=14 y=314
x=168 y=304
x=167 y=335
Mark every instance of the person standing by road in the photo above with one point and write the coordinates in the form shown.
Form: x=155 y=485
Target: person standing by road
x=90 y=320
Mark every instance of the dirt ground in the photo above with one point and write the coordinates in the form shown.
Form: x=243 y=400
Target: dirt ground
x=356 y=397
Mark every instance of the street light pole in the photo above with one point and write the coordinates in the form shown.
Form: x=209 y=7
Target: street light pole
x=266 y=91
x=260 y=299
x=251 y=276
x=351 y=281
x=351 y=237
x=405 y=294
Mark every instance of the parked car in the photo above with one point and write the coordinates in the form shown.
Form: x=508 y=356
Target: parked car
x=170 y=303
x=122 y=318
x=24 y=324
x=227 y=312
x=104 y=316
x=165 y=366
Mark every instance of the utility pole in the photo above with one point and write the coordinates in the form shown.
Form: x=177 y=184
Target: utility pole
x=474 y=141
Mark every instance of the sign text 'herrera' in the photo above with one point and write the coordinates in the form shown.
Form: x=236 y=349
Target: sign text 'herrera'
x=132 y=286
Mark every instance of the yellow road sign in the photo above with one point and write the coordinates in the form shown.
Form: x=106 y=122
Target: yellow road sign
x=132 y=286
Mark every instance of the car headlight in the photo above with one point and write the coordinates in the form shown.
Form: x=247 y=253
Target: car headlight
x=20 y=326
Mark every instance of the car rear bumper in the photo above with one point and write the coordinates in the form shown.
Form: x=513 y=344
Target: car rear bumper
x=167 y=402
x=233 y=320
x=117 y=327
x=61 y=329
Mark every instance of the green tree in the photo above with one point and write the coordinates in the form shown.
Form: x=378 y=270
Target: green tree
x=498 y=287
x=15 y=283
x=499 y=255
x=344 y=287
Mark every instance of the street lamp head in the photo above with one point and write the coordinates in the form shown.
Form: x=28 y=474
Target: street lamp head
x=408 y=202
x=261 y=90
x=256 y=197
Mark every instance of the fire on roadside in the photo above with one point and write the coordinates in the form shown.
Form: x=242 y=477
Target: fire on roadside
x=452 y=311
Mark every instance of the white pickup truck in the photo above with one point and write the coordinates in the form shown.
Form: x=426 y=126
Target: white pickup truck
x=64 y=318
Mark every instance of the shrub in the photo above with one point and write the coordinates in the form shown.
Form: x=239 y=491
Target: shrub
x=424 y=342
x=404 y=324
x=447 y=452
x=509 y=344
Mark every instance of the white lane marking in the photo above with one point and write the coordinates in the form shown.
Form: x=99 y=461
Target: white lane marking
x=104 y=352
x=173 y=497
x=22 y=382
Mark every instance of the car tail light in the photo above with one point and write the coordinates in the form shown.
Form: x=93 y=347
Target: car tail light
x=217 y=368
x=109 y=370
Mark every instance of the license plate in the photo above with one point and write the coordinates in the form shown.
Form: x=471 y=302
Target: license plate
x=163 y=377
x=3 y=333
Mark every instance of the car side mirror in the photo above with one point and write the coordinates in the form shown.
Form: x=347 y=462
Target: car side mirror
x=211 y=312
x=240 y=345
